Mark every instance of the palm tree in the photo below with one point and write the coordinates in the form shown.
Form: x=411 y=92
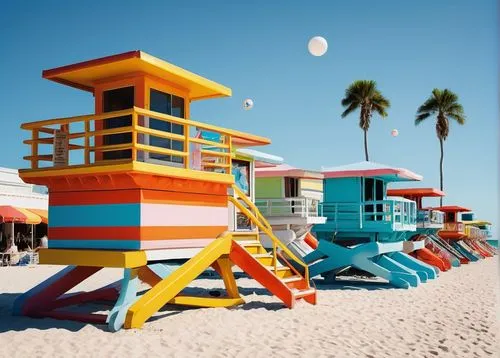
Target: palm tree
x=364 y=94
x=445 y=104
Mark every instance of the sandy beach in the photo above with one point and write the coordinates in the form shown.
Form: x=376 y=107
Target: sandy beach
x=453 y=316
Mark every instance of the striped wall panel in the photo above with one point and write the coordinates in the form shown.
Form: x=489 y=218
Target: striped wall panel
x=135 y=219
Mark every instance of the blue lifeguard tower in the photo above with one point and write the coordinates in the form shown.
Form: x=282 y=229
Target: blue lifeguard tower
x=365 y=228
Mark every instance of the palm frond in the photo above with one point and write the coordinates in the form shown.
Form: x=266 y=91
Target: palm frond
x=421 y=117
x=460 y=118
x=430 y=106
x=352 y=107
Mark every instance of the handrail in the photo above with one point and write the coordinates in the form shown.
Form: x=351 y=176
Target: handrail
x=265 y=228
x=397 y=211
x=290 y=206
x=250 y=204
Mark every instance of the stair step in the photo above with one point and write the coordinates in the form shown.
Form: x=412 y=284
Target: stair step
x=290 y=279
x=259 y=256
x=303 y=293
x=244 y=233
x=249 y=242
x=278 y=268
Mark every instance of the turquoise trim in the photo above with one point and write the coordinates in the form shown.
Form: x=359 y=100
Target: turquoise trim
x=128 y=295
x=373 y=257
x=95 y=215
x=95 y=244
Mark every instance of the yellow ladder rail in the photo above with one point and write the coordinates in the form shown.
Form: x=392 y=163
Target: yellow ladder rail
x=269 y=233
x=251 y=205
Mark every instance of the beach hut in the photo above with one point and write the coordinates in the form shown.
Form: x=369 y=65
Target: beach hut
x=480 y=232
x=429 y=221
x=137 y=184
x=289 y=199
x=456 y=234
x=365 y=228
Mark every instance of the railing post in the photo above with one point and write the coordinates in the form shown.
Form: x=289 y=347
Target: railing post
x=87 y=143
x=187 y=148
x=230 y=151
x=361 y=216
x=393 y=214
x=34 y=148
x=307 y=206
x=134 y=135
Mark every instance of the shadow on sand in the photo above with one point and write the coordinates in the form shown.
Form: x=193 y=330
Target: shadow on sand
x=352 y=285
x=10 y=323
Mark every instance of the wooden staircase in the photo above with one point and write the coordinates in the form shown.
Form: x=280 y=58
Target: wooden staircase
x=270 y=269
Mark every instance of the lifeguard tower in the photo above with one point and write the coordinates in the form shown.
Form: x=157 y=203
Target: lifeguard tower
x=139 y=183
x=429 y=221
x=455 y=233
x=478 y=231
x=289 y=199
x=365 y=228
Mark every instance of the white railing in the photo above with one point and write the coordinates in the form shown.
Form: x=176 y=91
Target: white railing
x=428 y=218
x=297 y=207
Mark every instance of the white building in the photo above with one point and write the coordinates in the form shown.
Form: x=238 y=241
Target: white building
x=15 y=192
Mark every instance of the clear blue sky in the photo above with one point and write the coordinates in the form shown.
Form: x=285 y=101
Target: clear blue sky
x=259 y=49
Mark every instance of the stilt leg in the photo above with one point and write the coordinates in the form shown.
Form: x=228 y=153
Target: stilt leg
x=44 y=294
x=224 y=267
x=128 y=295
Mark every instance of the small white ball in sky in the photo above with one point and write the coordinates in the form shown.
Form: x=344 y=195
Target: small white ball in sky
x=394 y=132
x=317 y=46
x=247 y=104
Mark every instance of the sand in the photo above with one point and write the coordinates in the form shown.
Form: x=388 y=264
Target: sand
x=453 y=316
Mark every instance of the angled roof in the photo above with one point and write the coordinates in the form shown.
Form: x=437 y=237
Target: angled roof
x=452 y=209
x=476 y=222
x=285 y=170
x=261 y=159
x=84 y=75
x=370 y=169
x=416 y=192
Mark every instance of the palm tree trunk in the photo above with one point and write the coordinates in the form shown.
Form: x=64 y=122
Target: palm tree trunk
x=441 y=170
x=366 y=145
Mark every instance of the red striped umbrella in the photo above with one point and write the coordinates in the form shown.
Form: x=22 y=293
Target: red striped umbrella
x=11 y=214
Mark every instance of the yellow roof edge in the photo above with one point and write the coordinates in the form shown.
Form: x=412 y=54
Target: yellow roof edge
x=164 y=65
x=476 y=222
x=57 y=74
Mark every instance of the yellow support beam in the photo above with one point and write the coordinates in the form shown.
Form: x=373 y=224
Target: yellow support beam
x=206 y=301
x=168 y=288
x=94 y=258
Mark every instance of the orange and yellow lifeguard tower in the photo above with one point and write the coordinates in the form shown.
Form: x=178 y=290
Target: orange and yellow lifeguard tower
x=139 y=183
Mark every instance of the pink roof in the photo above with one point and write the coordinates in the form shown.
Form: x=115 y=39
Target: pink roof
x=285 y=170
x=370 y=169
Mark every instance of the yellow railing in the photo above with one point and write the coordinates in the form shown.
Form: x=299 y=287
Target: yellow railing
x=473 y=232
x=211 y=154
x=256 y=217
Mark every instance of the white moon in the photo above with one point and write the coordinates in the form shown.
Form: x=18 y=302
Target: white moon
x=394 y=132
x=317 y=46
